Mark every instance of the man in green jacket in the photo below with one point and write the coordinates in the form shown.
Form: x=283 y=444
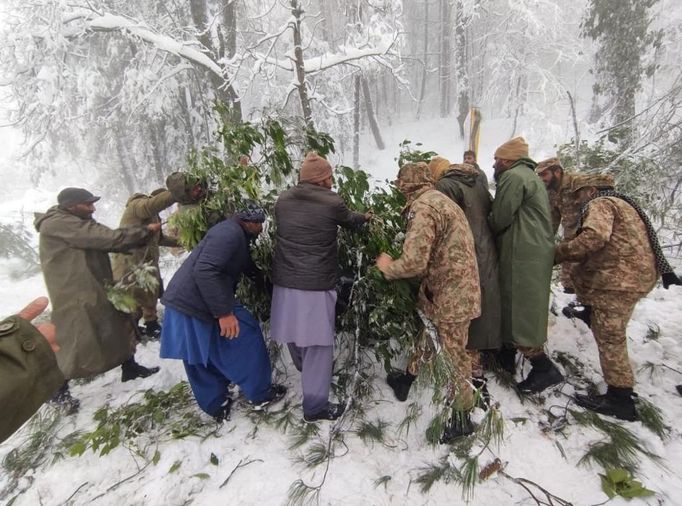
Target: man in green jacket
x=29 y=374
x=94 y=336
x=141 y=210
x=522 y=224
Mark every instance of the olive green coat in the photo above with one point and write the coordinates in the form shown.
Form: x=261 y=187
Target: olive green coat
x=142 y=210
x=28 y=373
x=469 y=189
x=522 y=224
x=74 y=255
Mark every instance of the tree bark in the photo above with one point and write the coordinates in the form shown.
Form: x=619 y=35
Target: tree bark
x=370 y=114
x=444 y=80
x=425 y=57
x=297 y=12
x=356 y=122
x=461 y=72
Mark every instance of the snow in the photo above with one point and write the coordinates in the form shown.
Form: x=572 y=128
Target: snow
x=527 y=450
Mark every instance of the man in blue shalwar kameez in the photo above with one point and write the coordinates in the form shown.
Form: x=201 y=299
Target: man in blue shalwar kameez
x=217 y=338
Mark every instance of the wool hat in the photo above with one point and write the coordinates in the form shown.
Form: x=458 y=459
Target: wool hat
x=314 y=169
x=514 y=149
x=438 y=166
x=550 y=163
x=251 y=211
x=72 y=196
x=600 y=181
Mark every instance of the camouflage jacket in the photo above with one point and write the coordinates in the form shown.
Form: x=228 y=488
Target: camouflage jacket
x=439 y=249
x=612 y=249
x=565 y=208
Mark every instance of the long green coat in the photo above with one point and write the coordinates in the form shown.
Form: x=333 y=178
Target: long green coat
x=28 y=373
x=74 y=255
x=469 y=189
x=141 y=210
x=522 y=224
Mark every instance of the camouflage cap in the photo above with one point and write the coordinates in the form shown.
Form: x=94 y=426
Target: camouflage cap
x=550 y=163
x=414 y=173
x=597 y=180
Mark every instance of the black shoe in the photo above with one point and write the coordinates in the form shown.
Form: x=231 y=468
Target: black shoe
x=331 y=412
x=505 y=359
x=459 y=426
x=617 y=402
x=679 y=389
x=131 y=370
x=482 y=395
x=400 y=382
x=65 y=401
x=223 y=413
x=569 y=290
x=543 y=374
x=578 y=311
x=277 y=393
x=152 y=329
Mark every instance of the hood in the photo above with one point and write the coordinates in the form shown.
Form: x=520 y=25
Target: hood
x=464 y=173
x=39 y=218
x=136 y=196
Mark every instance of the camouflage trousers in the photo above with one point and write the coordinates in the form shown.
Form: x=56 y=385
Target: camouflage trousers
x=565 y=275
x=453 y=338
x=611 y=312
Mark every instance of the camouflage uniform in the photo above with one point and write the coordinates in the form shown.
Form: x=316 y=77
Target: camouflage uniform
x=439 y=249
x=615 y=268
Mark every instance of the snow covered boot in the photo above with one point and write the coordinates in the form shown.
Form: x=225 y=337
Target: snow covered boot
x=131 y=370
x=223 y=413
x=543 y=374
x=505 y=359
x=152 y=329
x=617 y=402
x=400 y=382
x=65 y=401
x=331 y=412
x=277 y=393
x=482 y=395
x=460 y=425
x=579 y=311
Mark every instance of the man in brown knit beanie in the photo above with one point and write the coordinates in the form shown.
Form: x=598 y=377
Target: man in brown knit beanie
x=304 y=273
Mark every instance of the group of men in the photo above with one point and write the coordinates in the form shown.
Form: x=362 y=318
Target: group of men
x=485 y=267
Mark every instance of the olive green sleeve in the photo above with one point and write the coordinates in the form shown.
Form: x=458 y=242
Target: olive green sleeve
x=28 y=373
x=148 y=208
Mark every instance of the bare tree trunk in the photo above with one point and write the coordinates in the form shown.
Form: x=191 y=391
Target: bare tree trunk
x=370 y=115
x=461 y=72
x=158 y=149
x=425 y=57
x=224 y=92
x=297 y=12
x=575 y=128
x=127 y=174
x=356 y=121
x=445 y=58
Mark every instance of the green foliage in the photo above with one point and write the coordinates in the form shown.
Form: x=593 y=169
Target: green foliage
x=383 y=480
x=141 y=277
x=160 y=416
x=652 y=418
x=620 y=482
x=371 y=432
x=410 y=155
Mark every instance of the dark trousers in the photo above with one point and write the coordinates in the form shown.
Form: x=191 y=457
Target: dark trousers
x=315 y=364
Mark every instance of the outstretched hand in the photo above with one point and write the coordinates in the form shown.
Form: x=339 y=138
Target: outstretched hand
x=48 y=330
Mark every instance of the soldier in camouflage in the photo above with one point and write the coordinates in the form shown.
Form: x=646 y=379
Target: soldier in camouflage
x=615 y=267
x=439 y=249
x=565 y=210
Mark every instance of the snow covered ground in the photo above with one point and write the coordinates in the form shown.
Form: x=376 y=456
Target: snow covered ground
x=529 y=450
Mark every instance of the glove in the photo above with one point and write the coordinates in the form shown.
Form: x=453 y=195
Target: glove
x=670 y=278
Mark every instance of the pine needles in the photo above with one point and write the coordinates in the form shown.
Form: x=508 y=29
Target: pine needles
x=652 y=418
x=370 y=432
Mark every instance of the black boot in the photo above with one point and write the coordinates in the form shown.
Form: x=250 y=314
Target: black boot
x=152 y=329
x=400 y=382
x=544 y=374
x=331 y=412
x=581 y=312
x=482 y=395
x=617 y=402
x=505 y=359
x=64 y=400
x=131 y=370
x=679 y=389
x=276 y=394
x=460 y=425
x=223 y=413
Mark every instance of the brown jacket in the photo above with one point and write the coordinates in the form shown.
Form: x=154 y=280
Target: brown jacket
x=439 y=249
x=612 y=250
x=307 y=218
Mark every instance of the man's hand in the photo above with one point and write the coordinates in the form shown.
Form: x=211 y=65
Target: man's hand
x=383 y=261
x=48 y=330
x=154 y=227
x=229 y=326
